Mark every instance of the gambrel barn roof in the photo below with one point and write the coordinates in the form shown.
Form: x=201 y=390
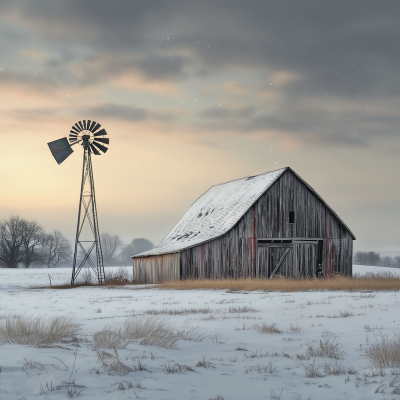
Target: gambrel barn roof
x=218 y=210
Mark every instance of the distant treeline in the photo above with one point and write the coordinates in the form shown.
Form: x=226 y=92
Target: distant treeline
x=25 y=243
x=116 y=252
x=374 y=258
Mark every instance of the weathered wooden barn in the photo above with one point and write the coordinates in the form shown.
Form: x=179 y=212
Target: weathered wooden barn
x=259 y=226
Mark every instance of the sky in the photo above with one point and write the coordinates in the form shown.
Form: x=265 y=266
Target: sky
x=193 y=94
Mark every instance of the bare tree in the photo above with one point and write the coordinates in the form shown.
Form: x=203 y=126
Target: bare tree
x=374 y=258
x=367 y=258
x=110 y=246
x=32 y=235
x=136 y=246
x=388 y=261
x=141 y=244
x=11 y=243
x=360 y=258
x=56 y=250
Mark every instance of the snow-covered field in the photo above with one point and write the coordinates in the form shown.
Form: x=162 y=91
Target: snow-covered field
x=241 y=363
x=364 y=269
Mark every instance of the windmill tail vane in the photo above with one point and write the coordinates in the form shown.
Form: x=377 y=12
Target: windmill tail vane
x=91 y=137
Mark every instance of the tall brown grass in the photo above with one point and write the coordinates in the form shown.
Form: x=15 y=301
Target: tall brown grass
x=38 y=331
x=142 y=330
x=372 y=281
x=384 y=352
x=114 y=277
x=327 y=348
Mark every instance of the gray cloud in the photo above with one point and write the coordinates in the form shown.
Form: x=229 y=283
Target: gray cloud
x=225 y=112
x=35 y=114
x=163 y=67
x=107 y=110
x=31 y=80
x=337 y=50
x=306 y=125
x=120 y=112
x=319 y=41
x=116 y=111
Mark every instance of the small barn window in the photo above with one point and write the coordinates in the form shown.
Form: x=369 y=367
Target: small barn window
x=291 y=217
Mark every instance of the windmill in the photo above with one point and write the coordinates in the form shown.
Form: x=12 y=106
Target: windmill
x=91 y=137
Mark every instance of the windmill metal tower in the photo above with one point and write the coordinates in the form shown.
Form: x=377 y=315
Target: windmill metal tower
x=90 y=136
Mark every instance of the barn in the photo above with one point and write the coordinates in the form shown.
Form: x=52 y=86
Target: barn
x=259 y=226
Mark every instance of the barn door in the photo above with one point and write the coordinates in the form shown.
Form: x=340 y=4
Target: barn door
x=273 y=259
x=306 y=258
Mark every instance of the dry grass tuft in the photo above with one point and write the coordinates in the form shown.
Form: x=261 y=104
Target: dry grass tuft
x=112 y=364
x=191 y=334
x=122 y=274
x=33 y=365
x=311 y=370
x=121 y=385
x=39 y=368
x=142 y=330
x=243 y=309
x=328 y=348
x=395 y=384
x=182 y=311
x=266 y=328
x=114 y=276
x=384 y=353
x=204 y=363
x=337 y=368
x=342 y=314
x=294 y=329
x=38 y=331
x=371 y=281
x=151 y=331
x=262 y=369
x=175 y=368
x=109 y=338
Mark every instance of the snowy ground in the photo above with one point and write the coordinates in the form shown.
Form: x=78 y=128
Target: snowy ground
x=242 y=362
x=363 y=269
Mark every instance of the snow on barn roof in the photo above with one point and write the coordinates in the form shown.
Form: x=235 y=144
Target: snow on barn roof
x=215 y=212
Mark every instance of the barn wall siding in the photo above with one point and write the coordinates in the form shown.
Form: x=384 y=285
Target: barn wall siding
x=237 y=254
x=156 y=269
